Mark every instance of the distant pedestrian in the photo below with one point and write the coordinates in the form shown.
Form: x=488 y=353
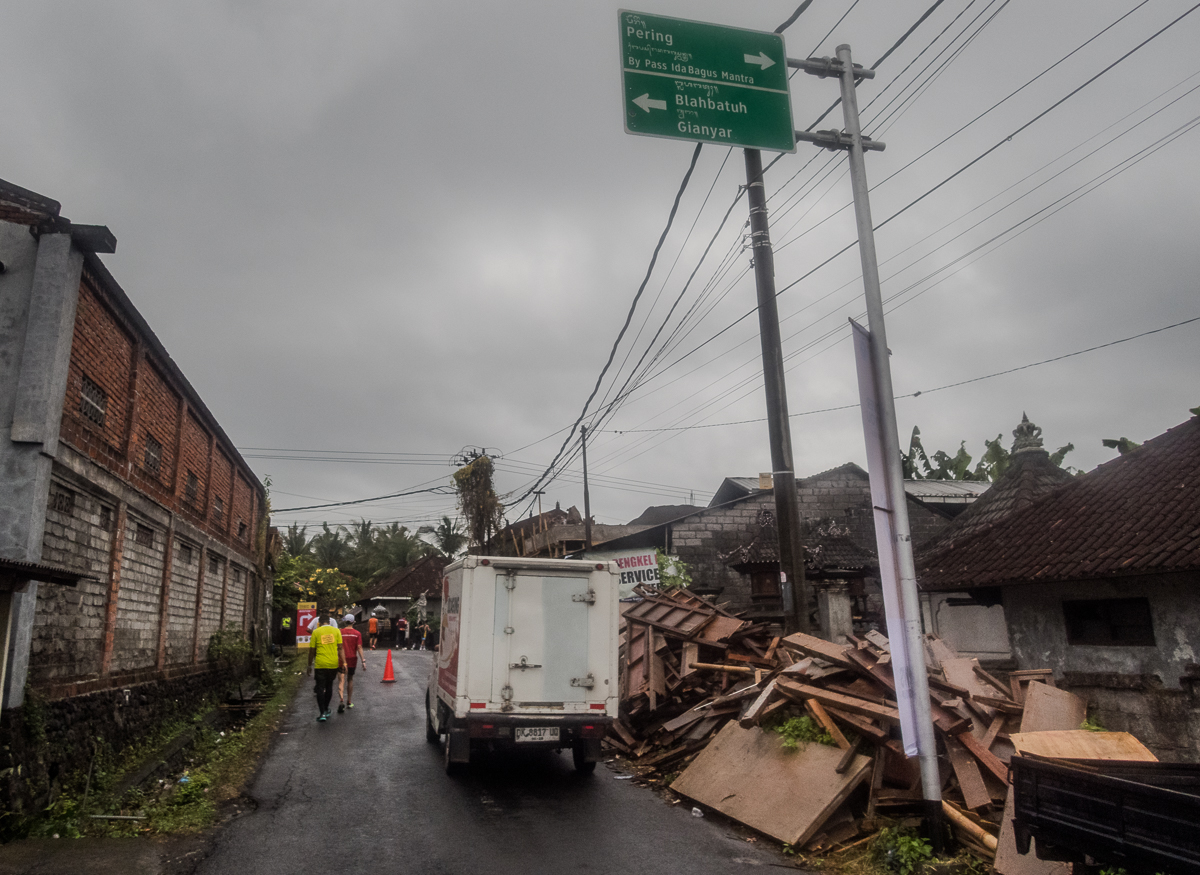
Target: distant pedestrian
x=422 y=635
x=399 y=627
x=373 y=630
x=352 y=646
x=326 y=654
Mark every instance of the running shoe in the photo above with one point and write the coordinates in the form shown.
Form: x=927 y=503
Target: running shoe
x=341 y=709
x=321 y=719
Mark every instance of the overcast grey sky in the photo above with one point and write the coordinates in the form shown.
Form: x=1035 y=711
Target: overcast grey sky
x=408 y=228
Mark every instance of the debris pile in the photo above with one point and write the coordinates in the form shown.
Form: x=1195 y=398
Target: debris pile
x=722 y=710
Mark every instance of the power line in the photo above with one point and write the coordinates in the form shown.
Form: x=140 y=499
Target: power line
x=921 y=392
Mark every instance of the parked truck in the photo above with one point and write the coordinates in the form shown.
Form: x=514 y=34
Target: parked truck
x=527 y=659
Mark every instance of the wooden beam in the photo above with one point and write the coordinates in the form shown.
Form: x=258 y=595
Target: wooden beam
x=854 y=705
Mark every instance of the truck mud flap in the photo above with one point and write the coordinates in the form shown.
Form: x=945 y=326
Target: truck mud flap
x=459 y=743
x=589 y=750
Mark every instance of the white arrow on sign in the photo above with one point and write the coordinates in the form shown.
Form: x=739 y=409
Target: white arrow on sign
x=647 y=104
x=760 y=59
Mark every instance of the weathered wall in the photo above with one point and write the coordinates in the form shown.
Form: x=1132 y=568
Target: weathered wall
x=47 y=742
x=1165 y=720
x=1037 y=628
x=841 y=496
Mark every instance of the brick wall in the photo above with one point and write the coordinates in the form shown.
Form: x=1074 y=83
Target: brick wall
x=102 y=351
x=105 y=629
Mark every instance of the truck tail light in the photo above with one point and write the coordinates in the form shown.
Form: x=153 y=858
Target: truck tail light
x=482 y=730
x=479 y=704
x=591 y=731
x=597 y=706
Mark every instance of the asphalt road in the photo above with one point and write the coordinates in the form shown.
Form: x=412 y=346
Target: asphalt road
x=365 y=791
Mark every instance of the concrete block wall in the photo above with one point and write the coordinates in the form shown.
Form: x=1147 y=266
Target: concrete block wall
x=70 y=620
x=135 y=640
x=181 y=603
x=210 y=609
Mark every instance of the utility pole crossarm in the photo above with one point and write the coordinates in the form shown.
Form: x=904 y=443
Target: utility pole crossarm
x=826 y=67
x=834 y=140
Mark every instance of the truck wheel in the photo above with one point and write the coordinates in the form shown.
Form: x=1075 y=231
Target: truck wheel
x=452 y=769
x=431 y=734
x=579 y=755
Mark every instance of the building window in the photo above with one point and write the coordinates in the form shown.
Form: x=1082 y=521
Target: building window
x=93 y=402
x=105 y=517
x=241 y=530
x=237 y=576
x=1109 y=622
x=144 y=536
x=62 y=501
x=152 y=455
x=185 y=555
x=191 y=488
x=214 y=565
x=218 y=510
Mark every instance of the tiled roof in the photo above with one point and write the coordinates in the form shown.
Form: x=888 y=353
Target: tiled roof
x=656 y=515
x=1029 y=476
x=1139 y=513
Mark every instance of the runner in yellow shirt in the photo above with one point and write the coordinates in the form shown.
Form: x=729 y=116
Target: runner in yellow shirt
x=326 y=653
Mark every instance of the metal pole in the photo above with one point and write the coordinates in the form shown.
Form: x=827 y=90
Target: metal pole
x=793 y=586
x=587 y=504
x=930 y=779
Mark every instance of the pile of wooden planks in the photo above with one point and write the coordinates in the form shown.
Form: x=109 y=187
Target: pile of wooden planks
x=693 y=673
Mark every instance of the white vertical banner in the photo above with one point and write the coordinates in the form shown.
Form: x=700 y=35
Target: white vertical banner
x=884 y=503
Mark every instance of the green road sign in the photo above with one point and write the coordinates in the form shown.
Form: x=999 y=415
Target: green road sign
x=688 y=80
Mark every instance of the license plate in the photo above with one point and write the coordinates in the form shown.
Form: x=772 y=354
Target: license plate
x=536 y=733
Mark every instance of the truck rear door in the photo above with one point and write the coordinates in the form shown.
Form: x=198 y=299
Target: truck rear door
x=541 y=638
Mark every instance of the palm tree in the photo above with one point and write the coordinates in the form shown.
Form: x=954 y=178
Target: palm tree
x=449 y=538
x=295 y=542
x=331 y=548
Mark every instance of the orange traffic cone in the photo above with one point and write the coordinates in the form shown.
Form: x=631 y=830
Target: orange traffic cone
x=389 y=676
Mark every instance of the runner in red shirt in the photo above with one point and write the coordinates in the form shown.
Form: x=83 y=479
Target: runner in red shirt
x=352 y=646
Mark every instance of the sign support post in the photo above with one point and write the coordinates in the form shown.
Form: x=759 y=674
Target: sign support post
x=895 y=537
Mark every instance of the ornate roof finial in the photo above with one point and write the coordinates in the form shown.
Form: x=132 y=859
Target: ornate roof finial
x=1028 y=436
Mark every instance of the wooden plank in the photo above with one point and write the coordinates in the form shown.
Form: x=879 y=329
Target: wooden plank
x=854 y=705
x=986 y=758
x=691 y=653
x=1009 y=862
x=970 y=780
x=719 y=629
x=994 y=682
x=1048 y=708
x=848 y=756
x=832 y=728
x=993 y=730
x=747 y=775
x=825 y=650
x=687 y=718
x=1080 y=744
x=859 y=725
x=961 y=673
x=948 y=722
x=770 y=655
x=879 y=640
x=754 y=712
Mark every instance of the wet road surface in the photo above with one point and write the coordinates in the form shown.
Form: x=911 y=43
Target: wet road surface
x=365 y=791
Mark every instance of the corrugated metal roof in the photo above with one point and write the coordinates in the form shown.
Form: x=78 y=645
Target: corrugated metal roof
x=963 y=491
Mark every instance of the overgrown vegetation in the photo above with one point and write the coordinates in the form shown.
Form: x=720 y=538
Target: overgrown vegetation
x=229 y=646
x=215 y=768
x=477 y=500
x=901 y=850
x=673 y=573
x=797 y=729
x=919 y=465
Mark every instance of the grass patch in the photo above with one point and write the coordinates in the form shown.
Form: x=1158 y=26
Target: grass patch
x=218 y=765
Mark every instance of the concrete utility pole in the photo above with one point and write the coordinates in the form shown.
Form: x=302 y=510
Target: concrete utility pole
x=793 y=586
x=587 y=503
x=906 y=570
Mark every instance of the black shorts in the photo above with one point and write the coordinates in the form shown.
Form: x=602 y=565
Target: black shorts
x=350 y=670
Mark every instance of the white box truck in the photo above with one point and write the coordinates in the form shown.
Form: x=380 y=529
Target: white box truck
x=527 y=657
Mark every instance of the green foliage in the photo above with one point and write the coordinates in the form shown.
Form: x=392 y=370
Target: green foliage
x=672 y=572
x=797 y=729
x=450 y=537
x=229 y=646
x=918 y=465
x=1091 y=724
x=1122 y=445
x=477 y=499
x=901 y=850
x=295 y=542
